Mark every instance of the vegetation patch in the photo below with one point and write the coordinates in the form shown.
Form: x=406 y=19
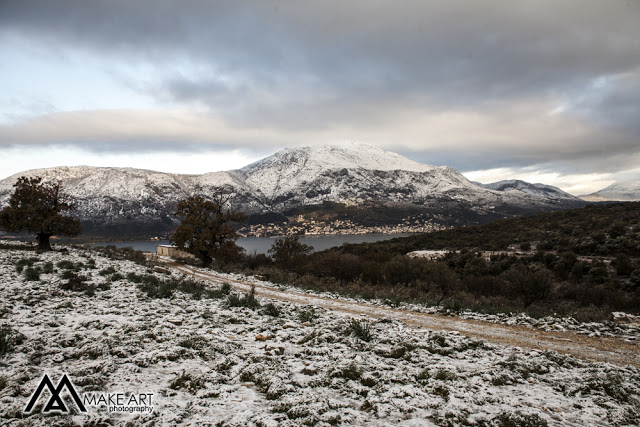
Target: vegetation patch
x=360 y=329
x=9 y=338
x=247 y=300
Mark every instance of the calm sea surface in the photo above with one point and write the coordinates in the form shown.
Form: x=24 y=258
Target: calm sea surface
x=262 y=244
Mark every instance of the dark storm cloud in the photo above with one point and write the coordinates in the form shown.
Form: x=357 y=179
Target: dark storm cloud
x=295 y=65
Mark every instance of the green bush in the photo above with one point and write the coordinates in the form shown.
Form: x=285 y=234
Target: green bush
x=518 y=419
x=66 y=265
x=9 y=338
x=445 y=375
x=25 y=262
x=272 y=310
x=47 y=268
x=116 y=276
x=360 y=329
x=32 y=274
x=307 y=315
x=156 y=288
x=68 y=274
x=222 y=291
x=189 y=382
x=248 y=300
x=77 y=283
x=349 y=372
x=107 y=271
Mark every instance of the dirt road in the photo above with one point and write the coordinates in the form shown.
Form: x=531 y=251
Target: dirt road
x=596 y=349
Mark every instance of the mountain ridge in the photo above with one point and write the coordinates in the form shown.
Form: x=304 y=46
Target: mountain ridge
x=291 y=178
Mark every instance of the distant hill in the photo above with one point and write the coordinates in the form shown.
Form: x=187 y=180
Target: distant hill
x=624 y=192
x=516 y=186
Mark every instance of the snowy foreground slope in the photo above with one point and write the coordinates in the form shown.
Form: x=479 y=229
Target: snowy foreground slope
x=208 y=363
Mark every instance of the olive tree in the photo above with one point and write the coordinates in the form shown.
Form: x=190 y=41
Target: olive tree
x=207 y=229
x=288 y=250
x=37 y=206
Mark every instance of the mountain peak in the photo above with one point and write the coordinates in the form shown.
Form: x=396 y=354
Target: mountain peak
x=351 y=155
x=291 y=167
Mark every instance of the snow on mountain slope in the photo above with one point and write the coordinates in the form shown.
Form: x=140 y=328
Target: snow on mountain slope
x=355 y=172
x=116 y=194
x=516 y=186
x=289 y=168
x=293 y=177
x=624 y=192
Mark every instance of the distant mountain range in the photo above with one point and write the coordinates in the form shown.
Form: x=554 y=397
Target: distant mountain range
x=126 y=200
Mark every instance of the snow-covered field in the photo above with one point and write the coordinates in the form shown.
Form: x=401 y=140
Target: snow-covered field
x=280 y=364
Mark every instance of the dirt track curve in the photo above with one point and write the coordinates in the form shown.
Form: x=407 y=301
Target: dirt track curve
x=611 y=350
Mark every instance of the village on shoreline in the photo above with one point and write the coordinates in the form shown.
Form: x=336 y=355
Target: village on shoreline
x=301 y=226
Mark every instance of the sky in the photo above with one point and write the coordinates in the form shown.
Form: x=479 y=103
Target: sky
x=541 y=90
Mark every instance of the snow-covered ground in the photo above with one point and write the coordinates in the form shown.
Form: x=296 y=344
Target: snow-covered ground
x=208 y=363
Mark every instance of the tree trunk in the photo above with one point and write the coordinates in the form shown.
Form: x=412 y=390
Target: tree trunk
x=205 y=259
x=43 y=241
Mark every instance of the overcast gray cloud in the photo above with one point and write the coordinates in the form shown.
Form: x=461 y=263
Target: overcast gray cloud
x=471 y=84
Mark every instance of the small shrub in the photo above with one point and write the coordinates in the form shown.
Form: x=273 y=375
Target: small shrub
x=518 y=419
x=222 y=291
x=25 y=262
x=32 y=274
x=349 y=372
x=133 y=277
x=190 y=286
x=359 y=329
x=195 y=342
x=103 y=286
x=9 y=338
x=188 y=382
x=156 y=288
x=307 y=315
x=445 y=375
x=116 y=276
x=247 y=300
x=503 y=379
x=47 y=268
x=423 y=375
x=78 y=283
x=67 y=274
x=442 y=391
x=65 y=265
x=439 y=339
x=107 y=271
x=271 y=310
x=368 y=380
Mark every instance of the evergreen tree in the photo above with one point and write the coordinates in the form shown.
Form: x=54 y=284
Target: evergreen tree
x=208 y=229
x=37 y=206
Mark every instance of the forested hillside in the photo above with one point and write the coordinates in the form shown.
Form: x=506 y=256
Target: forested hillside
x=581 y=262
x=596 y=230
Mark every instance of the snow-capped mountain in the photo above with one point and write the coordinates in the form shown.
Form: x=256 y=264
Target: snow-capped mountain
x=622 y=192
x=354 y=174
x=518 y=187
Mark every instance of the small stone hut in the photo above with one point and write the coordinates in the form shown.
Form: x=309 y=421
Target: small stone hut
x=173 y=252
